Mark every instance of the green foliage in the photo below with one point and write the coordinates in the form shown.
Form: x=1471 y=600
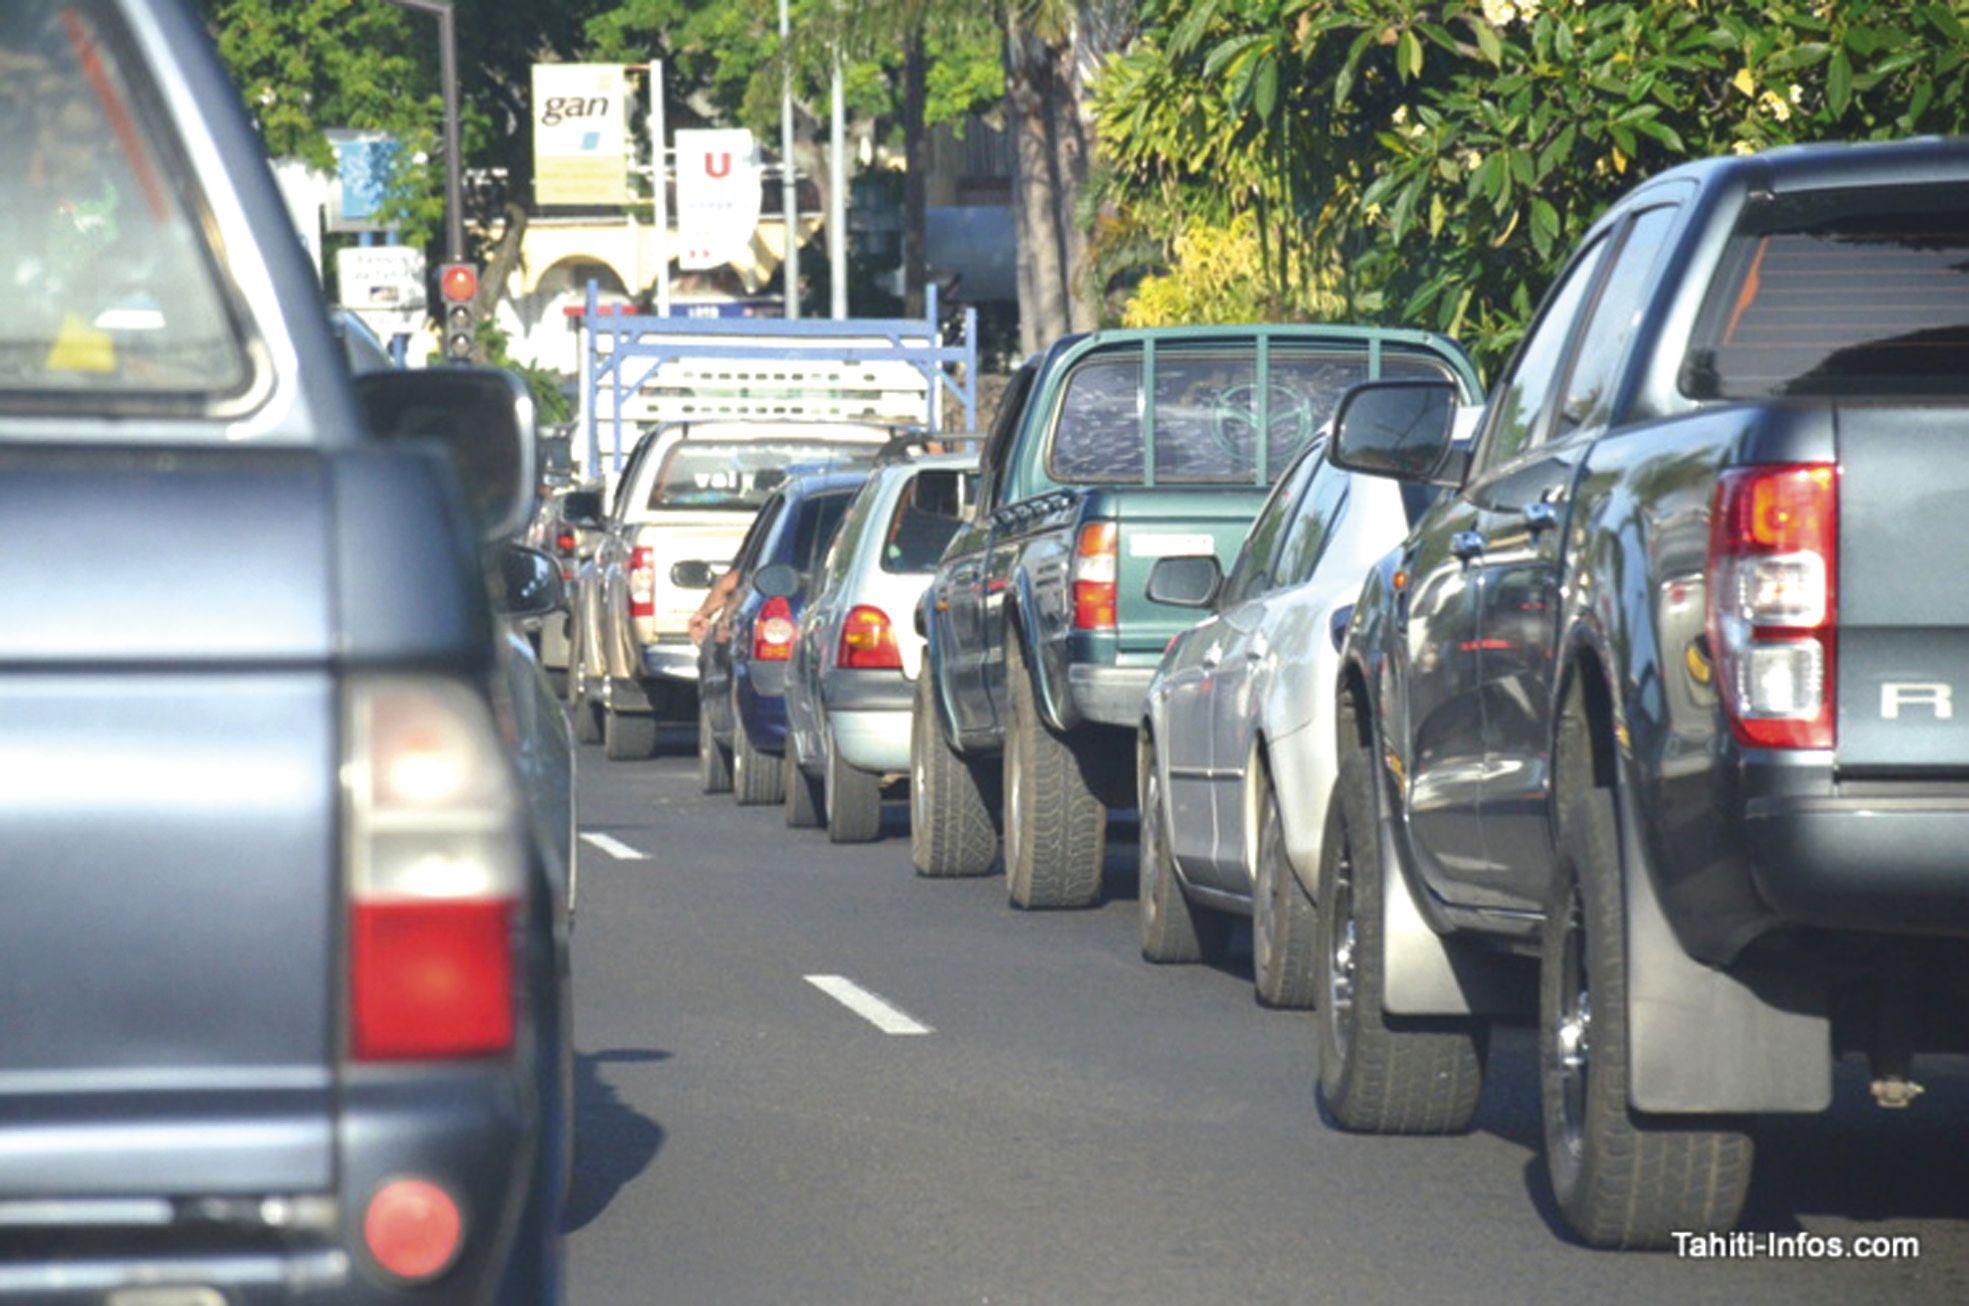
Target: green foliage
x=1446 y=157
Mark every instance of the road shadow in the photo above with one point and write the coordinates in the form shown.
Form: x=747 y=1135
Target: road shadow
x=613 y=1142
x=675 y=739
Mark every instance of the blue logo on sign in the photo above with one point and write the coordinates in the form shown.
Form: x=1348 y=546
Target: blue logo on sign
x=591 y=141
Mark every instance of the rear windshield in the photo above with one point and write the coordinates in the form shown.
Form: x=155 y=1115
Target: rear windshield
x=733 y=475
x=928 y=513
x=1840 y=293
x=112 y=293
x=1206 y=412
x=814 y=524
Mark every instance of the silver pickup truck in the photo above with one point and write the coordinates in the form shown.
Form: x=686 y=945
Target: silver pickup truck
x=680 y=509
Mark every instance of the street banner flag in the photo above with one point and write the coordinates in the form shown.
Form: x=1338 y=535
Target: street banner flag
x=718 y=196
x=580 y=134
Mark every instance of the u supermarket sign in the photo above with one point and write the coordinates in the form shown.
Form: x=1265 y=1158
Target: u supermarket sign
x=718 y=196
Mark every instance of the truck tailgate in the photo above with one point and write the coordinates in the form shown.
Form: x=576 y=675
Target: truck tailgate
x=168 y=828
x=1902 y=664
x=683 y=537
x=1171 y=522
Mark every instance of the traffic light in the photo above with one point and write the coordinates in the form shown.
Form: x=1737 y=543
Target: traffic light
x=458 y=288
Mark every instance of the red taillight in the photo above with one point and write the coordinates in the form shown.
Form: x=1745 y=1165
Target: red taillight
x=436 y=868
x=1096 y=568
x=432 y=979
x=413 y=1228
x=564 y=542
x=1772 y=602
x=772 y=633
x=868 y=641
x=642 y=582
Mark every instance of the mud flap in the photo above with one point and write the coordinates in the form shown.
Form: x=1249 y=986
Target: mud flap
x=1703 y=1040
x=1426 y=974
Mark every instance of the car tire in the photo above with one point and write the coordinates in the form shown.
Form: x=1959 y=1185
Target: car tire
x=1282 y=916
x=853 y=801
x=1174 y=930
x=1622 y=1178
x=1055 y=828
x=626 y=737
x=756 y=775
x=803 y=797
x=586 y=716
x=951 y=831
x=1378 y=1074
x=714 y=764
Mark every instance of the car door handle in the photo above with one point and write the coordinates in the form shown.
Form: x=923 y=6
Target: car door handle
x=1467 y=545
x=1540 y=516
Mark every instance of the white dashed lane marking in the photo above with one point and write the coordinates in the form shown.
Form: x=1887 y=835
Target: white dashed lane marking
x=614 y=847
x=876 y=1011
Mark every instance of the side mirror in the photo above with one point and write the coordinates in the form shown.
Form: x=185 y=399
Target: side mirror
x=482 y=416
x=531 y=583
x=1398 y=429
x=582 y=508
x=692 y=575
x=779 y=581
x=1185 y=582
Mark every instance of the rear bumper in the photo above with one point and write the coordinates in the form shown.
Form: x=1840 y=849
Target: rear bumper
x=761 y=700
x=254 y=1278
x=1893 y=865
x=671 y=659
x=870 y=713
x=1110 y=696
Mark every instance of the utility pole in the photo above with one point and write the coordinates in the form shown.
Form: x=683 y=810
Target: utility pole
x=837 y=218
x=789 y=175
x=454 y=164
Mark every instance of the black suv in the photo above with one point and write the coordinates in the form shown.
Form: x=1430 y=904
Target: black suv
x=1649 y=728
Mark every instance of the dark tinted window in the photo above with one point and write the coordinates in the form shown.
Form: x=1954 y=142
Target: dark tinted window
x=928 y=513
x=1099 y=436
x=1597 y=362
x=1514 y=420
x=1313 y=524
x=813 y=527
x=1840 y=293
x=1252 y=574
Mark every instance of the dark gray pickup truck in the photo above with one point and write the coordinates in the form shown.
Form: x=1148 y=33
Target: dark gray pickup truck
x=1648 y=730
x=284 y=815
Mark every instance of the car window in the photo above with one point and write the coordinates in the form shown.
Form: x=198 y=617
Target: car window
x=1861 y=292
x=847 y=541
x=1005 y=428
x=114 y=293
x=929 y=511
x=813 y=528
x=729 y=475
x=1251 y=574
x=1603 y=345
x=1207 y=411
x=746 y=560
x=1313 y=522
x=1514 y=419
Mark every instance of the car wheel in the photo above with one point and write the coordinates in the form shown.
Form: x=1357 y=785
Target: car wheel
x=714 y=764
x=803 y=798
x=1281 y=913
x=587 y=716
x=625 y=737
x=853 y=801
x=950 y=826
x=755 y=773
x=1378 y=1074
x=1173 y=929
x=1622 y=1178
x=1055 y=828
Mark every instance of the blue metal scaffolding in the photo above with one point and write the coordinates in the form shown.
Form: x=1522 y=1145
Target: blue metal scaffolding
x=622 y=352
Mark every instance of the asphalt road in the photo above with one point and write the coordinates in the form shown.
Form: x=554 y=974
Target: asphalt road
x=1077 y=1126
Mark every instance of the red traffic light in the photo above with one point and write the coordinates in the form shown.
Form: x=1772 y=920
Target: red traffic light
x=459 y=283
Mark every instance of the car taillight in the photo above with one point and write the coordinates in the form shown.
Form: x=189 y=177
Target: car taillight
x=868 y=641
x=564 y=542
x=772 y=633
x=436 y=870
x=1096 y=567
x=1772 y=593
x=642 y=582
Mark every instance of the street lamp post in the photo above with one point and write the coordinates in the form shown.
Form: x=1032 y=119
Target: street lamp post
x=454 y=174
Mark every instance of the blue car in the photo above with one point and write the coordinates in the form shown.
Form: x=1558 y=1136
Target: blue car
x=742 y=664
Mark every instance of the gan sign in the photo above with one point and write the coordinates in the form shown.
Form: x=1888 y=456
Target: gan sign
x=580 y=134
